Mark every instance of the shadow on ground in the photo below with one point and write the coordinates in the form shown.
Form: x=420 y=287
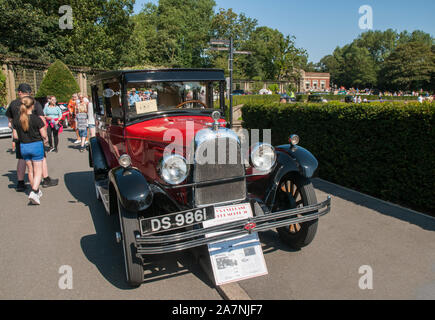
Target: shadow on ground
x=102 y=250
x=423 y=221
x=12 y=176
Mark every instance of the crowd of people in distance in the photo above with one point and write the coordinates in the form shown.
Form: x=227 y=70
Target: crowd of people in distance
x=422 y=96
x=35 y=132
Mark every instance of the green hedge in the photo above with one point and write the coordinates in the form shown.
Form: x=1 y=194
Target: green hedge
x=329 y=97
x=252 y=98
x=385 y=150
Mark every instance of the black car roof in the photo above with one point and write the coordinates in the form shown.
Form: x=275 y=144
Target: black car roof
x=158 y=75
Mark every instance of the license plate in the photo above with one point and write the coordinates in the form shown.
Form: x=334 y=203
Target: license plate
x=176 y=220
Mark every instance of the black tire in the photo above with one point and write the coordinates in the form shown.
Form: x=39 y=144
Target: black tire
x=133 y=265
x=296 y=191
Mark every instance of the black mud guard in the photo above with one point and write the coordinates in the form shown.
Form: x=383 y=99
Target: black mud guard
x=97 y=160
x=290 y=160
x=306 y=162
x=132 y=189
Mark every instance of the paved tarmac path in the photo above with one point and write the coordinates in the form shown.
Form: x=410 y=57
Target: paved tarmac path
x=70 y=228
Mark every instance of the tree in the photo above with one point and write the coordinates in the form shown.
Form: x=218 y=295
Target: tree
x=410 y=67
x=144 y=38
x=27 y=30
x=371 y=60
x=277 y=55
x=183 y=32
x=227 y=24
x=30 y=29
x=58 y=82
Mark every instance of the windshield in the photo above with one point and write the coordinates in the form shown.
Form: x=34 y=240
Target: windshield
x=144 y=98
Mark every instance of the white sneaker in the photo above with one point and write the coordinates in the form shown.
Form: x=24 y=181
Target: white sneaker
x=77 y=141
x=34 y=198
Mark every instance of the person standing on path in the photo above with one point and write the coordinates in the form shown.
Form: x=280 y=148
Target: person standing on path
x=82 y=121
x=13 y=113
x=30 y=131
x=53 y=114
x=72 y=104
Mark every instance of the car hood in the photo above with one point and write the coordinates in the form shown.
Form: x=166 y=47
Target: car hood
x=164 y=130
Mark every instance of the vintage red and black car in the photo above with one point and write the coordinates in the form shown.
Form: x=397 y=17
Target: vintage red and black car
x=163 y=197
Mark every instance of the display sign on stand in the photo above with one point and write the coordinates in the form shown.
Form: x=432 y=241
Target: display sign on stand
x=236 y=258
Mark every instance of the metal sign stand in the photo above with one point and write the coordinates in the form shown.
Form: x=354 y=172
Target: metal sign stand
x=228 y=45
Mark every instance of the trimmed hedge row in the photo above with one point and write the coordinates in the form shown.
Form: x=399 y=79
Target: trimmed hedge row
x=330 y=97
x=252 y=98
x=386 y=150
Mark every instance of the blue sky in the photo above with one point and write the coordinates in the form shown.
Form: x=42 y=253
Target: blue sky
x=320 y=26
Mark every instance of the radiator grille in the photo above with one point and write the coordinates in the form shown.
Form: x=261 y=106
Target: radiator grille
x=225 y=163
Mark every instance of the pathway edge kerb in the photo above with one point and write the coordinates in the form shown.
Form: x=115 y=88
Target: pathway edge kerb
x=233 y=291
x=374 y=198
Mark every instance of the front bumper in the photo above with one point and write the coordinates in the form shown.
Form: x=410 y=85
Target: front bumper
x=194 y=238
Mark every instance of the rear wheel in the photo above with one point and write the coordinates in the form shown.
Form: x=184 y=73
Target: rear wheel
x=133 y=264
x=294 y=192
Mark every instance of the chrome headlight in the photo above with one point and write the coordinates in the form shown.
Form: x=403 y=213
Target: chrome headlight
x=174 y=169
x=124 y=161
x=263 y=157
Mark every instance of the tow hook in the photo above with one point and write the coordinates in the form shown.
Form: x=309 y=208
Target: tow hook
x=118 y=237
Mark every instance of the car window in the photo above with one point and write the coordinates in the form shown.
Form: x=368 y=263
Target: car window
x=144 y=98
x=110 y=97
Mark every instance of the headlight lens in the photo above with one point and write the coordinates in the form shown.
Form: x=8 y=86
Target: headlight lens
x=174 y=169
x=294 y=140
x=124 y=161
x=263 y=157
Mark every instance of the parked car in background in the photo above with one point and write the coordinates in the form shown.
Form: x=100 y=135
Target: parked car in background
x=316 y=98
x=5 y=131
x=349 y=99
x=239 y=93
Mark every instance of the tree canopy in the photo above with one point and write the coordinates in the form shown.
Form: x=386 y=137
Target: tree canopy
x=173 y=33
x=384 y=59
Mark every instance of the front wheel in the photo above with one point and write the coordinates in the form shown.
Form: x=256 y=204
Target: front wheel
x=295 y=192
x=133 y=264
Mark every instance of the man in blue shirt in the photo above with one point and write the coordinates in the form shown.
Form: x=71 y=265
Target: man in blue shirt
x=133 y=97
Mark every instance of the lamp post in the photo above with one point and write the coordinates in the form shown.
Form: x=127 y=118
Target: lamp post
x=228 y=45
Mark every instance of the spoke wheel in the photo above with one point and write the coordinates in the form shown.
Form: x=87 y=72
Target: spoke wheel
x=296 y=192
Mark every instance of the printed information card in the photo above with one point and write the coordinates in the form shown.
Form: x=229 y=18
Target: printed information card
x=236 y=258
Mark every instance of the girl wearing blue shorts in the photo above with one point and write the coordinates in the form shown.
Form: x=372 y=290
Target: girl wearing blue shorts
x=31 y=132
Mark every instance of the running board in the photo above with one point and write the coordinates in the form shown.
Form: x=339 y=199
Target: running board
x=103 y=193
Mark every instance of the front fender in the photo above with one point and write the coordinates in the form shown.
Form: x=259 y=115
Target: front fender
x=290 y=160
x=132 y=189
x=306 y=162
x=97 y=159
